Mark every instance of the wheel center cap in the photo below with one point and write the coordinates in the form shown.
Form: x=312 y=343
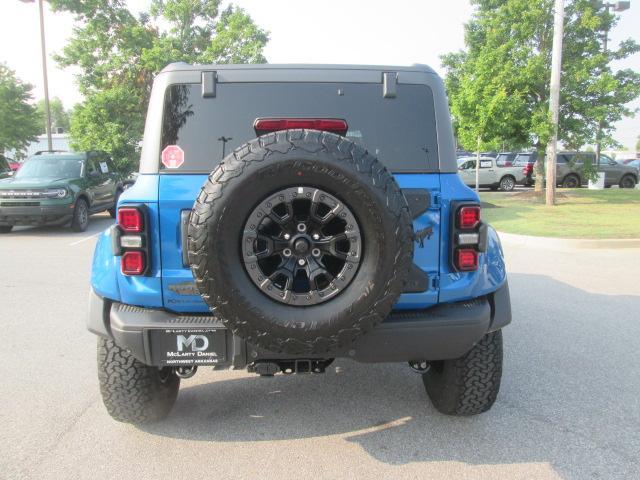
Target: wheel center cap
x=301 y=246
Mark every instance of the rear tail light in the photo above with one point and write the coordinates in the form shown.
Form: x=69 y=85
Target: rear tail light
x=131 y=239
x=468 y=236
x=334 y=125
x=468 y=217
x=528 y=168
x=466 y=259
x=130 y=220
x=133 y=262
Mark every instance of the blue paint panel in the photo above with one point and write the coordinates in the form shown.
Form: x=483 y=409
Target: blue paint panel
x=177 y=193
x=427 y=257
x=144 y=291
x=491 y=274
x=104 y=269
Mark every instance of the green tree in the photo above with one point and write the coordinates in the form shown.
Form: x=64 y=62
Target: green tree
x=119 y=55
x=18 y=118
x=110 y=120
x=509 y=51
x=59 y=116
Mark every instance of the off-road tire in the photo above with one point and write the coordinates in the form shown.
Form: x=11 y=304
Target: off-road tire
x=571 y=181
x=113 y=211
x=628 y=181
x=6 y=228
x=81 y=214
x=131 y=391
x=292 y=158
x=507 y=183
x=467 y=385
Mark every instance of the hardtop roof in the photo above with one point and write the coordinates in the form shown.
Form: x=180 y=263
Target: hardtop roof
x=183 y=66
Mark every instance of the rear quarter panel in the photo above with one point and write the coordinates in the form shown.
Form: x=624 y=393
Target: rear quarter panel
x=491 y=273
x=106 y=278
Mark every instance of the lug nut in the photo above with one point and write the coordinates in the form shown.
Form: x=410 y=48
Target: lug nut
x=315 y=252
x=315 y=236
x=287 y=236
x=301 y=262
x=302 y=227
x=286 y=252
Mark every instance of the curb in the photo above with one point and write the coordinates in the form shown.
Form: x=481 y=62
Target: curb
x=566 y=243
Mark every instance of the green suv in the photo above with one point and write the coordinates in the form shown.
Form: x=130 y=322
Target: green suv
x=59 y=188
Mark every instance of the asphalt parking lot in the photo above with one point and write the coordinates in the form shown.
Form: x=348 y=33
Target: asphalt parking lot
x=569 y=406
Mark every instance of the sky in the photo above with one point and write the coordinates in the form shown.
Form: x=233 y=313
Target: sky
x=401 y=32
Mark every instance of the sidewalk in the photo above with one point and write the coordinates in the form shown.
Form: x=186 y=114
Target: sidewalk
x=566 y=243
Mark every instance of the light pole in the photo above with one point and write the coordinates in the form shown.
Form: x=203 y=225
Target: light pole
x=616 y=7
x=554 y=101
x=44 y=70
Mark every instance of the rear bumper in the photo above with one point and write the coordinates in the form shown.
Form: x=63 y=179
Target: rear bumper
x=441 y=332
x=36 y=215
x=526 y=181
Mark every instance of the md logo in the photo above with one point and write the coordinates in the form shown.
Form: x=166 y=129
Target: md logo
x=197 y=343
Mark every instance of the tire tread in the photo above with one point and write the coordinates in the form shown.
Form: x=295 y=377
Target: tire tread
x=132 y=391
x=467 y=385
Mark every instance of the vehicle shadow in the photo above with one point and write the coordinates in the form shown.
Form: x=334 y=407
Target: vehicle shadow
x=97 y=223
x=565 y=400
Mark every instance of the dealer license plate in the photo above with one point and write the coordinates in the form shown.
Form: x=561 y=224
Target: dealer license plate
x=175 y=347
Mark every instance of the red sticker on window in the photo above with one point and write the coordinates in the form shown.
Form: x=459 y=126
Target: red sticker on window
x=172 y=156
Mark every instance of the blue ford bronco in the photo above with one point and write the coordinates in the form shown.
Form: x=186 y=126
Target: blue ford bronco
x=288 y=215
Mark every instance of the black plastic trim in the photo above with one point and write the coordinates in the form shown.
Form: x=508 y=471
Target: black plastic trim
x=389 y=84
x=418 y=199
x=418 y=280
x=500 y=302
x=184 y=236
x=209 y=84
x=115 y=234
x=440 y=332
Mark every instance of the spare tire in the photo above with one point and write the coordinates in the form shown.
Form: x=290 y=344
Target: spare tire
x=300 y=241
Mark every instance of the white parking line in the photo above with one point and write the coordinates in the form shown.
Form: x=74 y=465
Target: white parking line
x=84 y=239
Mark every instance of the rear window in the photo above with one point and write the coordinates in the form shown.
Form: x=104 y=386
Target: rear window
x=523 y=159
x=504 y=159
x=400 y=131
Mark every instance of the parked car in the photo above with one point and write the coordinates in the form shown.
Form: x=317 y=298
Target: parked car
x=55 y=189
x=635 y=164
x=626 y=161
x=570 y=170
x=296 y=246
x=490 y=175
x=526 y=161
x=5 y=168
x=130 y=179
x=505 y=159
x=15 y=165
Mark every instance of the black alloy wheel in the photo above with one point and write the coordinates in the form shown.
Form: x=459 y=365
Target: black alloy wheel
x=301 y=246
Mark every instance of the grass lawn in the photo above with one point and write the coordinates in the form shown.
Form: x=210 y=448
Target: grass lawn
x=579 y=213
